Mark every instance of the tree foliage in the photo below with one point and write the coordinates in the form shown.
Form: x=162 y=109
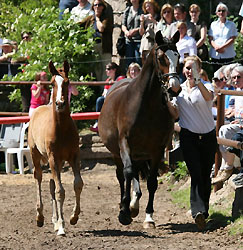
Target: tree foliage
x=52 y=39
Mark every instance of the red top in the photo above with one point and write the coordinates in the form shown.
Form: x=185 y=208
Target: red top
x=36 y=102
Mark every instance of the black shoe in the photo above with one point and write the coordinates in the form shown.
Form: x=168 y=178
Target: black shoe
x=200 y=221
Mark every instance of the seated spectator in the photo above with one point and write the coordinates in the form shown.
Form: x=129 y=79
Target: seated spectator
x=148 y=27
x=186 y=46
x=102 y=21
x=133 y=70
x=167 y=18
x=180 y=16
x=113 y=73
x=40 y=93
x=81 y=11
x=229 y=130
x=201 y=32
x=130 y=27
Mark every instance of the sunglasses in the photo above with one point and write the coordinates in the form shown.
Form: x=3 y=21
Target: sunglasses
x=236 y=77
x=193 y=11
x=221 y=11
x=98 y=4
x=25 y=37
x=109 y=68
x=167 y=11
x=223 y=79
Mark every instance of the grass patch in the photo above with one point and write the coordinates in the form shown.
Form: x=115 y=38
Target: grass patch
x=182 y=197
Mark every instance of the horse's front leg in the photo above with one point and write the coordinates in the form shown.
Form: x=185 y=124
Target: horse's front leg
x=38 y=177
x=78 y=186
x=125 y=214
x=152 y=185
x=136 y=195
x=58 y=198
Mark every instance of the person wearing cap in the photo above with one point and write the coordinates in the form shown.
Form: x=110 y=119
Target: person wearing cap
x=8 y=50
x=229 y=130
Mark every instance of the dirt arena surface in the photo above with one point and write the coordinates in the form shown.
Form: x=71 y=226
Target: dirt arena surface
x=98 y=226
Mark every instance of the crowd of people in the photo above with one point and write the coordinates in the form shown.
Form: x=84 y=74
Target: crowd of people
x=195 y=103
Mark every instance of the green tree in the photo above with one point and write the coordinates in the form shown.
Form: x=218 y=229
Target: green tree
x=52 y=39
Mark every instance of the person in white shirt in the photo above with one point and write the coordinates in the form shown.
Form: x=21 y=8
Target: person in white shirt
x=186 y=46
x=81 y=11
x=222 y=34
x=241 y=14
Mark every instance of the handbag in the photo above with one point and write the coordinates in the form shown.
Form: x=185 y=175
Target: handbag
x=121 y=44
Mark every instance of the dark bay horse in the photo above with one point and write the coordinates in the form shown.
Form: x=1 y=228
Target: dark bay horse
x=136 y=126
x=53 y=138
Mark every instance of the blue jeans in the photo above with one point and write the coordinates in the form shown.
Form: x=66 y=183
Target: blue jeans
x=99 y=103
x=132 y=53
x=64 y=4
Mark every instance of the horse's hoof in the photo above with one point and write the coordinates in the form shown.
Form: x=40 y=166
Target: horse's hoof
x=148 y=225
x=73 y=220
x=134 y=212
x=61 y=232
x=124 y=219
x=40 y=221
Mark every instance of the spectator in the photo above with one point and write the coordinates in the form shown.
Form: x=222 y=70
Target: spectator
x=241 y=14
x=66 y=4
x=197 y=136
x=222 y=34
x=229 y=130
x=130 y=27
x=1 y=42
x=180 y=16
x=40 y=93
x=133 y=70
x=148 y=27
x=186 y=46
x=8 y=50
x=167 y=18
x=201 y=32
x=102 y=21
x=113 y=73
x=81 y=11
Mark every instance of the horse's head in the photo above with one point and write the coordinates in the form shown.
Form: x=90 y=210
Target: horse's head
x=60 y=83
x=167 y=59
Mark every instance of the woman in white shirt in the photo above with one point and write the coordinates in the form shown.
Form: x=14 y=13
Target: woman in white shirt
x=222 y=34
x=186 y=46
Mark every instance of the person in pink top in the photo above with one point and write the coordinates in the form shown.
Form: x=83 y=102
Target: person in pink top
x=40 y=93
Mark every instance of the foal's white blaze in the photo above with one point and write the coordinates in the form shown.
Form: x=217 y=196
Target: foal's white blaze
x=173 y=59
x=59 y=81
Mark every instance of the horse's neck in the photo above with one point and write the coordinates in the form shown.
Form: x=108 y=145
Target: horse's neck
x=60 y=118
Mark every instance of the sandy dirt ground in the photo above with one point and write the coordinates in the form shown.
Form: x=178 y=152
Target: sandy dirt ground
x=98 y=226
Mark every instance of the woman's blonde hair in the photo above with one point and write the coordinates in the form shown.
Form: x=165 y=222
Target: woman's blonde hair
x=164 y=7
x=194 y=6
x=132 y=65
x=154 y=3
x=179 y=24
x=195 y=59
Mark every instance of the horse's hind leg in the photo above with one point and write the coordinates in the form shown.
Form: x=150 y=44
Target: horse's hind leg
x=136 y=195
x=78 y=186
x=125 y=215
x=54 y=204
x=36 y=157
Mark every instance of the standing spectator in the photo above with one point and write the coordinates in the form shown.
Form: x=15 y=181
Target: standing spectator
x=113 y=73
x=229 y=130
x=1 y=42
x=40 y=93
x=167 y=18
x=148 y=26
x=197 y=136
x=201 y=32
x=66 y=4
x=241 y=14
x=180 y=16
x=133 y=70
x=81 y=11
x=186 y=46
x=130 y=27
x=102 y=21
x=222 y=34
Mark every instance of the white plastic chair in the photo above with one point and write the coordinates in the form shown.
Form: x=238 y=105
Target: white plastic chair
x=21 y=151
x=10 y=137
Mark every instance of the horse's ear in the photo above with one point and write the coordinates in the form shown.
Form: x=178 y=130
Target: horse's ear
x=176 y=37
x=159 y=38
x=52 y=69
x=66 y=67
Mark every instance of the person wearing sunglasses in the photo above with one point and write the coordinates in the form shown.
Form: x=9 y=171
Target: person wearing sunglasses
x=229 y=130
x=113 y=72
x=167 y=18
x=221 y=35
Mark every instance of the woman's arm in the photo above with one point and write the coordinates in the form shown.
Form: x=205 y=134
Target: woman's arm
x=203 y=36
x=36 y=93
